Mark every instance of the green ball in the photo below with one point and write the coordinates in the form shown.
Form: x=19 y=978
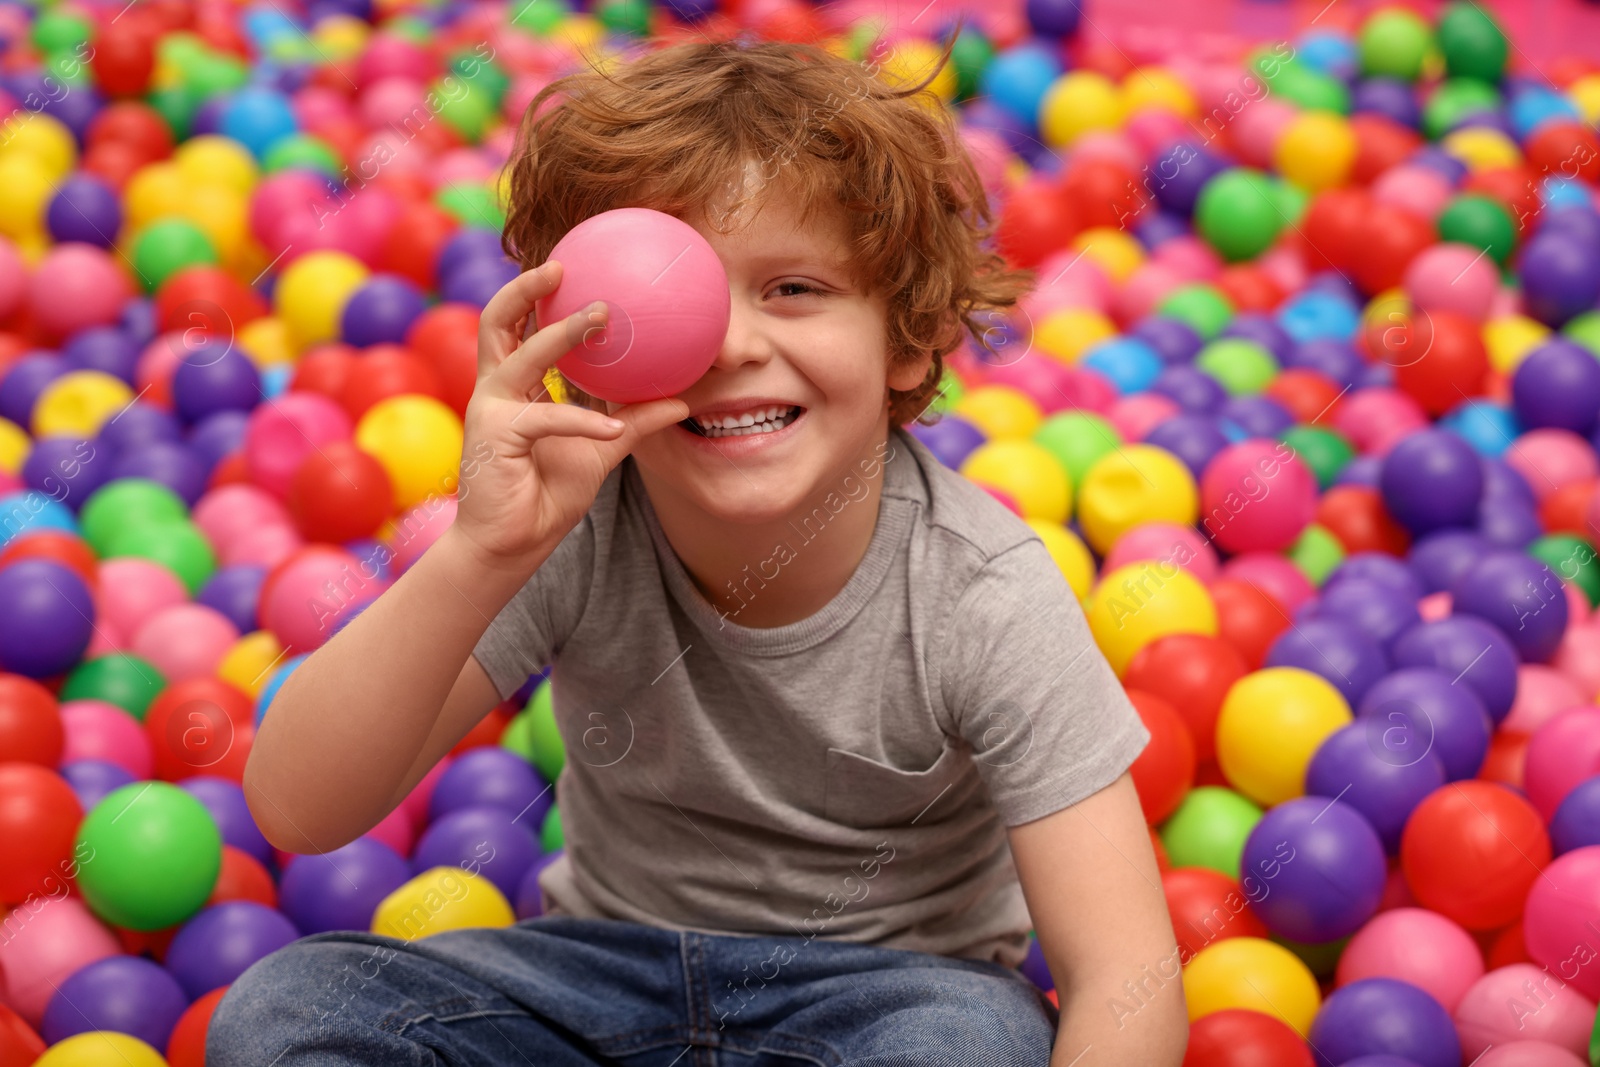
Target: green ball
x=1317 y=553
x=1325 y=452
x=471 y=205
x=551 y=838
x=152 y=853
x=176 y=544
x=1241 y=367
x=1479 y=221
x=1077 y=439
x=541 y=16
x=1292 y=202
x=631 y=17
x=69 y=68
x=1573 y=560
x=176 y=105
x=127 y=681
x=167 y=246
x=1473 y=44
x=302 y=151
x=1209 y=829
x=468 y=113
x=1394 y=43
x=971 y=56
x=485 y=76
x=213 y=74
x=1453 y=101
x=545 y=750
x=59 y=31
x=949 y=393
x=1202 y=307
x=1585 y=329
x=413 y=28
x=1311 y=90
x=125 y=503
x=1239 y=213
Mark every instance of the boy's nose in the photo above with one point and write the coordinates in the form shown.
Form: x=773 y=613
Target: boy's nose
x=746 y=340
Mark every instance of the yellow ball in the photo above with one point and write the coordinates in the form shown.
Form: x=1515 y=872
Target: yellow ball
x=418 y=442
x=211 y=159
x=1254 y=974
x=1144 y=602
x=1069 y=553
x=1270 y=726
x=266 y=341
x=582 y=33
x=1069 y=333
x=999 y=411
x=313 y=291
x=42 y=137
x=1130 y=486
x=1157 y=87
x=444 y=898
x=1482 y=149
x=1585 y=92
x=1510 y=338
x=1316 y=151
x=100 y=1048
x=25 y=191
x=249 y=663
x=1116 y=252
x=1027 y=472
x=155 y=191
x=15 y=444
x=911 y=61
x=1077 y=103
x=78 y=403
x=223 y=215
x=341 y=36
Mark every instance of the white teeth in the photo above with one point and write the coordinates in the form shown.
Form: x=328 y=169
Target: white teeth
x=763 y=420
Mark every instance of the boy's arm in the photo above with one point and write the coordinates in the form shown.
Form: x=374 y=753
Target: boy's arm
x=1090 y=879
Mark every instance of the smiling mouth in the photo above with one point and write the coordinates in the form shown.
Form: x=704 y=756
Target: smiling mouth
x=772 y=420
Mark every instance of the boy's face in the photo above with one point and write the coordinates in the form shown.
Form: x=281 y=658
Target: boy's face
x=801 y=336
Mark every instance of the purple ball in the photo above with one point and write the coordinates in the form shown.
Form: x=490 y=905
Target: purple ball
x=1432 y=480
x=1520 y=596
x=223 y=941
x=1363 y=470
x=93 y=780
x=476 y=281
x=1419 y=711
x=1194 y=439
x=1501 y=482
x=1558 y=385
x=213 y=378
x=225 y=801
x=1053 y=18
x=1560 y=277
x=984 y=114
x=340 y=890
x=48 y=618
x=1576 y=823
x=1318 y=866
x=1264 y=330
x=84 y=209
x=1190 y=388
x=1508 y=525
x=234 y=591
x=1389 y=97
x=1172 y=340
x=1384 y=1015
x=1258 y=416
x=102 y=348
x=1576 y=223
x=173 y=465
x=1034 y=967
x=471 y=243
x=488 y=841
x=217 y=436
x=490 y=776
x=1468 y=649
x=951 y=439
x=1178 y=173
x=1329 y=357
x=1382 y=1059
x=135 y=426
x=1338 y=651
x=381 y=311
x=139 y=320
x=22 y=383
x=1156 y=228
x=66 y=469
x=1378 y=609
x=530 y=901
x=1356 y=765
x=1439 y=559
x=1377 y=567
x=128 y=994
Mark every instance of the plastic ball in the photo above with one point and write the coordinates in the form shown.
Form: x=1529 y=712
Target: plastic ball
x=1193 y=673
x=1557 y=385
x=1563 y=752
x=187 y=1045
x=1468 y=650
x=381 y=311
x=1560 y=277
x=101 y=1047
x=1133 y=485
x=39 y=815
x=1576 y=822
x=1164 y=771
x=156 y=856
x=999 y=411
x=125 y=994
x=418 y=441
x=340 y=493
x=341 y=890
x=1270 y=725
x=1028 y=472
x=1417 y=946
x=1322 y=865
x=48 y=620
x=1560 y=906
x=1238 y=1037
x=220 y=943
x=97 y=730
x=1471 y=851
x=1522 y=1002
x=280 y=437
x=214 y=377
x=489 y=777
x=1383 y=1015
x=1077 y=103
x=1316 y=151
x=487 y=841
x=1255 y=496
x=1368 y=767
x=312 y=293
x=1253 y=974
x=444 y=898
x=1209 y=829
x=77 y=286
x=1432 y=480
x=79 y=404
x=1238 y=213
x=1143 y=602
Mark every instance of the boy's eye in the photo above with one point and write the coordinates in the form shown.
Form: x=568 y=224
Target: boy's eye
x=802 y=286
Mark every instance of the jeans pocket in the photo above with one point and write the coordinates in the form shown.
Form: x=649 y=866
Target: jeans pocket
x=867 y=794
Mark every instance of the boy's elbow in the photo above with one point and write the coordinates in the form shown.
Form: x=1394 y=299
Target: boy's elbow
x=281 y=829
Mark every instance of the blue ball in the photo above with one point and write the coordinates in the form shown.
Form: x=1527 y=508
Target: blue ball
x=1190 y=388
x=1381 y=610
x=1171 y=339
x=491 y=777
x=48 y=618
x=93 y=780
x=476 y=281
x=104 y=348
x=275 y=683
x=1129 y=364
x=1520 y=596
x=1488 y=427
x=1194 y=439
x=234 y=591
x=66 y=469
x=31 y=510
x=258 y=118
x=1316 y=316
x=1017 y=79
x=1440 y=558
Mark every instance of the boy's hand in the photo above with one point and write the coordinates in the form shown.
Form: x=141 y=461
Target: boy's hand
x=537 y=465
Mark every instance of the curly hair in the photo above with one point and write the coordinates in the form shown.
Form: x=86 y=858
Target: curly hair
x=672 y=127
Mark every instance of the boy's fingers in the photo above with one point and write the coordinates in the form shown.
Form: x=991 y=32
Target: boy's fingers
x=522 y=372
x=643 y=419
x=510 y=308
x=534 y=421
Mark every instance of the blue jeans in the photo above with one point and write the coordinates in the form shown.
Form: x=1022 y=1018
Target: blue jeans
x=556 y=990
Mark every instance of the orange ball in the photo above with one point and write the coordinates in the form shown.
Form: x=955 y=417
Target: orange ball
x=1164 y=771
x=1356 y=517
x=1247 y=619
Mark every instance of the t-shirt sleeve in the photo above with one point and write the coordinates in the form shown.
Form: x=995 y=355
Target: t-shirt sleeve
x=525 y=637
x=1025 y=685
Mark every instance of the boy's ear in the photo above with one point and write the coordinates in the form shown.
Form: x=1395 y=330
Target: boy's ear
x=906 y=375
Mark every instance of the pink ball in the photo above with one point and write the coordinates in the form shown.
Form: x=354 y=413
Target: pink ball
x=1067 y=280
x=1284 y=266
x=305 y=596
x=415 y=805
x=365 y=223
x=388 y=55
x=669 y=303
x=1549 y=459
x=1422 y=191
x=1165 y=541
x=185 y=641
x=265 y=547
x=318 y=108
x=283 y=196
x=1542 y=692
x=1274 y=575
x=1258 y=127
x=77 y=286
x=1578 y=610
x=1417 y=946
x=1374 y=420
x=1257 y=496
x=1190 y=258
x=462 y=165
x=48 y=939
x=13 y=278
x=1563 y=752
x=1147 y=286
x=1110 y=145
x=396 y=831
x=131 y=590
x=391 y=100
x=1434 y=606
x=97 y=730
x=987 y=149
x=280 y=435
x=1153 y=129
x=419 y=528
x=1454 y=278
x=1563 y=910
x=1047 y=382
x=1579 y=658
x=1136 y=415
x=228 y=512
x=1089 y=391
x=158 y=362
x=104 y=641
x=1520 y=1002
x=1528 y=1054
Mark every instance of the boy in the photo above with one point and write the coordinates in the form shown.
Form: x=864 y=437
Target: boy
x=825 y=702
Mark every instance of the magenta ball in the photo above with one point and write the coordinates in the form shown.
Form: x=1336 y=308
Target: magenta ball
x=228 y=513
x=1454 y=278
x=1562 y=753
x=280 y=436
x=222 y=941
x=77 y=286
x=1523 y=1002
x=1257 y=496
x=668 y=304
x=1550 y=458
x=1273 y=575
x=1558 y=923
x=306 y=596
x=1418 y=946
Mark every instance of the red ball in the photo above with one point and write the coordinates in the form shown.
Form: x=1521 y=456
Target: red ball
x=243 y=878
x=1036 y=221
x=383 y=371
x=1444 y=362
x=1105 y=193
x=1507 y=947
x=412 y=247
x=30 y=723
x=1381 y=143
x=200 y=726
x=796 y=22
x=135 y=125
x=340 y=493
x=1517 y=189
x=1206 y=907
x=124 y=55
x=1305 y=394
x=19 y=1044
x=39 y=817
x=208 y=299
x=446 y=336
x=1240 y=1038
x=1247 y=618
x=1192 y=673
x=1328 y=230
x=1164 y=771
x=1471 y=850
x=57 y=547
x=1356 y=517
x=1564 y=149
x=1564 y=510
x=1383 y=245
x=187 y=1045
x=1507 y=759
x=488 y=729
x=324 y=369
x=1249 y=288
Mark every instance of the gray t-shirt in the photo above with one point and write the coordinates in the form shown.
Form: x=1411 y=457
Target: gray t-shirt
x=850 y=775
